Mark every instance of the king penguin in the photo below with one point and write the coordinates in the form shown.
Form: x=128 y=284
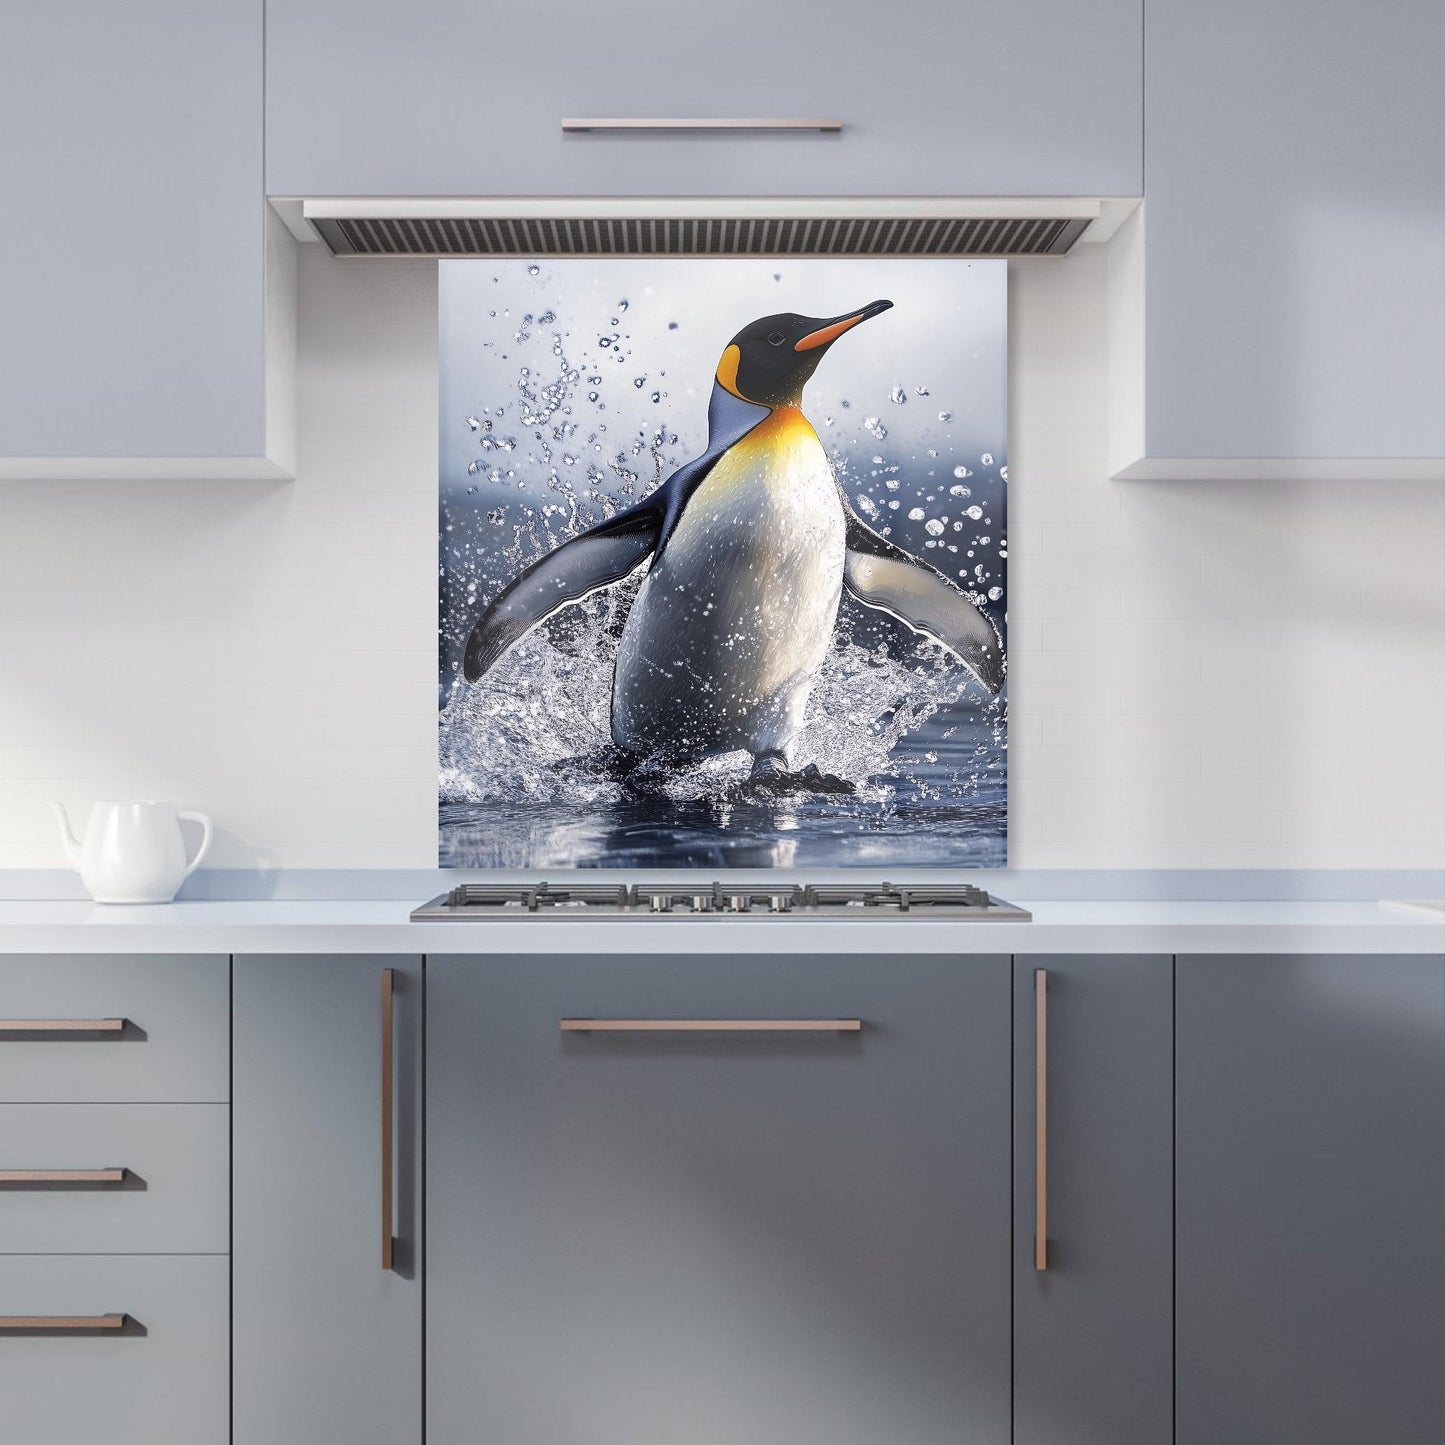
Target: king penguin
x=752 y=544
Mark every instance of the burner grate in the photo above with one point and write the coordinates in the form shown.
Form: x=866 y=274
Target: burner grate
x=534 y=896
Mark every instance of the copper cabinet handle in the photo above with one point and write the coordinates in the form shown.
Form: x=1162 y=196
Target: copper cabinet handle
x=1041 y=1118
x=388 y=1118
x=62 y=1176
x=78 y=1323
x=711 y=1026
x=84 y=1027
x=700 y=124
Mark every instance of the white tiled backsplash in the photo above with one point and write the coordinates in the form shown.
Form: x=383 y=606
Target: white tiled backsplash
x=1223 y=675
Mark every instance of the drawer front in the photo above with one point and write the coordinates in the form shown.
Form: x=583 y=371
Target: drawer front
x=718 y=1199
x=173 y=1049
x=172 y=1197
x=163 y=1377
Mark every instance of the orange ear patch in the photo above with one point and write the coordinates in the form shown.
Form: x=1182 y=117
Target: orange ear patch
x=727 y=371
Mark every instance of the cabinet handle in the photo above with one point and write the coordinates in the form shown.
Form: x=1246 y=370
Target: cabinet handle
x=1041 y=1118
x=85 y=1028
x=711 y=1026
x=63 y=1176
x=698 y=124
x=80 y=1324
x=388 y=1118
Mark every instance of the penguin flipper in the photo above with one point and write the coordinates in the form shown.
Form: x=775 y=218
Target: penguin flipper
x=606 y=553
x=891 y=580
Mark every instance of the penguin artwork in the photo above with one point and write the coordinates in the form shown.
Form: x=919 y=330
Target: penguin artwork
x=752 y=545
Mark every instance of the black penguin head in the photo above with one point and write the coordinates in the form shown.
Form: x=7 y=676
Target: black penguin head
x=769 y=361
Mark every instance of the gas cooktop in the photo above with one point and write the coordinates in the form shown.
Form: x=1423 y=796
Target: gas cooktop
x=478 y=901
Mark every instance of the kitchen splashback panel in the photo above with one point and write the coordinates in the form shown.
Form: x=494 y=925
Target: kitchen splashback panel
x=723 y=548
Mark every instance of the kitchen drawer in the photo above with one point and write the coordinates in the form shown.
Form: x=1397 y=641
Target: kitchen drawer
x=718 y=1199
x=162 y=1378
x=173 y=1049
x=173 y=1198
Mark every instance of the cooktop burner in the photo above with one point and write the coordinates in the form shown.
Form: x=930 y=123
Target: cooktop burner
x=474 y=901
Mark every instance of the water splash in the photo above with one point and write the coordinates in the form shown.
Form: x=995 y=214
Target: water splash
x=537 y=728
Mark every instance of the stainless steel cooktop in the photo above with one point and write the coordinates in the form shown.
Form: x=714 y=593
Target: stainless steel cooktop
x=472 y=902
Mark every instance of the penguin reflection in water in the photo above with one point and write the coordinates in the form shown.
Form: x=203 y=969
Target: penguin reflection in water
x=752 y=544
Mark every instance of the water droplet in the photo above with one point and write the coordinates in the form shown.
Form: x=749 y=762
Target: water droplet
x=777 y=275
x=933 y=527
x=984 y=541
x=962 y=472
x=638 y=381
x=994 y=593
x=568 y=460
x=473 y=468
x=920 y=391
x=898 y=396
x=916 y=515
x=496 y=517
x=975 y=512
x=891 y=484
x=473 y=423
x=1003 y=473
x=591 y=396
x=893 y=505
x=657 y=396
x=987 y=459
x=876 y=427
x=534 y=270
x=672 y=325
x=945 y=416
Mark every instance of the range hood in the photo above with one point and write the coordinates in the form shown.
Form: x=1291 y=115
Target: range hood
x=717 y=226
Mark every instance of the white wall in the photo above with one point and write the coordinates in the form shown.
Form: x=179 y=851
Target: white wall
x=1214 y=675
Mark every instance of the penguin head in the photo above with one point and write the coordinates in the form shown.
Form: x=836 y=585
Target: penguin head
x=769 y=361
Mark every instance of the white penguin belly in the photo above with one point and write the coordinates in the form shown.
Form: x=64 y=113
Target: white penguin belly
x=733 y=621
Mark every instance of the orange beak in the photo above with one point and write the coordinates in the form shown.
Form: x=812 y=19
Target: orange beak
x=827 y=334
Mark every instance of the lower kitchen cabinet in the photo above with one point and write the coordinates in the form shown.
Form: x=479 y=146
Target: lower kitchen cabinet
x=1310 y=1194
x=128 y=1349
x=1093 y=1354
x=326 y=1338
x=642 y=1236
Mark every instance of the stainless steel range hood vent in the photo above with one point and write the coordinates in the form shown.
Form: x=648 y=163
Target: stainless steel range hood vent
x=700 y=228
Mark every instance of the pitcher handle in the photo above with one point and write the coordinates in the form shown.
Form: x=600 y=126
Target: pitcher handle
x=201 y=852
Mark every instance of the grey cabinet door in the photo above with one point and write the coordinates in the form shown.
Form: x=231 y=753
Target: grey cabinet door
x=133 y=298
x=327 y=1344
x=1295 y=245
x=944 y=97
x=1093 y=1355
x=1310 y=1193
x=636 y=1239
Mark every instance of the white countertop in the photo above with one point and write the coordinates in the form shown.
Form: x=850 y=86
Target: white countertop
x=382 y=927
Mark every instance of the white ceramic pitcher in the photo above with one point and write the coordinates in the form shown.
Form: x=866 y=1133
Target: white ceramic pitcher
x=133 y=852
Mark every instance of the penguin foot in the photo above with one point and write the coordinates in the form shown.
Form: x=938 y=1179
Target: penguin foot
x=770 y=775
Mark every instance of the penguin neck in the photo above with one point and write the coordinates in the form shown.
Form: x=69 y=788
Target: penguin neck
x=730 y=418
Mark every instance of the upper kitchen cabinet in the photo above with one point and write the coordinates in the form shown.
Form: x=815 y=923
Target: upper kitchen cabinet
x=146 y=307
x=452 y=98
x=1293 y=260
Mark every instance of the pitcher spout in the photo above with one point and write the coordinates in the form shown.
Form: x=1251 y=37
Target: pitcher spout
x=68 y=840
